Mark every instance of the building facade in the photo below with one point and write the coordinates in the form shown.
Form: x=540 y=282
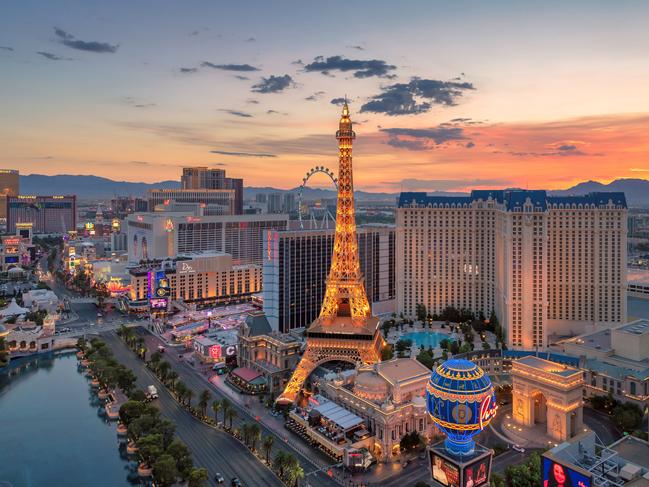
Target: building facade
x=47 y=214
x=163 y=235
x=9 y=186
x=205 y=178
x=223 y=198
x=548 y=266
x=296 y=265
x=204 y=278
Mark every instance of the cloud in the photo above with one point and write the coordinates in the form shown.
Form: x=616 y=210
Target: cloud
x=237 y=113
x=316 y=96
x=273 y=84
x=567 y=147
x=251 y=39
x=242 y=154
x=361 y=68
x=252 y=101
x=470 y=145
x=188 y=70
x=358 y=48
x=423 y=139
x=338 y=101
x=69 y=40
x=242 y=78
x=230 y=67
x=6 y=48
x=417 y=96
x=414 y=184
x=140 y=163
x=53 y=57
x=275 y=112
x=129 y=100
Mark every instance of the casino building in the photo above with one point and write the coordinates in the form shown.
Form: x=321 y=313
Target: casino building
x=201 y=278
x=546 y=265
x=47 y=214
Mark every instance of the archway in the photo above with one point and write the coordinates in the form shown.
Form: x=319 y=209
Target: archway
x=547 y=392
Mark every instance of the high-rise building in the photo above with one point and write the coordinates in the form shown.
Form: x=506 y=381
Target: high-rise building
x=213 y=198
x=9 y=186
x=296 y=264
x=162 y=235
x=548 y=266
x=274 y=202
x=345 y=329
x=47 y=214
x=207 y=178
x=289 y=204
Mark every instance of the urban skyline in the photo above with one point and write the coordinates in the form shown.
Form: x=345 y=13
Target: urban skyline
x=512 y=95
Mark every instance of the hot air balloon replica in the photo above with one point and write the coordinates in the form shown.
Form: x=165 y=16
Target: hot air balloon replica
x=461 y=401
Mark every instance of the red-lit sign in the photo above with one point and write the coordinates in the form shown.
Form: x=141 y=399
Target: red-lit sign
x=215 y=352
x=488 y=410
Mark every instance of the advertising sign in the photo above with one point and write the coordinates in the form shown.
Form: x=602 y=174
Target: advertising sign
x=444 y=471
x=558 y=473
x=158 y=303
x=215 y=352
x=477 y=473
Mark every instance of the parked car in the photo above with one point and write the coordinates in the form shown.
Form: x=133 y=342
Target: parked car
x=151 y=392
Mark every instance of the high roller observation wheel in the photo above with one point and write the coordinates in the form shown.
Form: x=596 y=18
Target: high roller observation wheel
x=305 y=180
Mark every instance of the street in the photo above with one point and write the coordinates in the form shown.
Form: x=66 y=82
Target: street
x=215 y=450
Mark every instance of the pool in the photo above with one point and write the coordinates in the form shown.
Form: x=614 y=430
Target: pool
x=424 y=338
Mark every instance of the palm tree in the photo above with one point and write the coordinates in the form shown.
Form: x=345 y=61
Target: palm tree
x=267 y=446
x=172 y=377
x=155 y=359
x=216 y=407
x=255 y=435
x=293 y=471
x=203 y=401
x=245 y=432
x=189 y=394
x=232 y=414
x=163 y=370
x=181 y=388
x=279 y=463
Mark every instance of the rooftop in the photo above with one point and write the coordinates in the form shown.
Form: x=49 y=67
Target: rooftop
x=401 y=369
x=633 y=449
x=640 y=327
x=547 y=366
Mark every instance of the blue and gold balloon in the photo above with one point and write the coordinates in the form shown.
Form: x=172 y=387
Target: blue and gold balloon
x=461 y=401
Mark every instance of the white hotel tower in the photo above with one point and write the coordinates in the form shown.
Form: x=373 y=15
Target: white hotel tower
x=546 y=265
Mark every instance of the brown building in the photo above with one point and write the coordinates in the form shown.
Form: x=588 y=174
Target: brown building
x=206 y=178
x=9 y=186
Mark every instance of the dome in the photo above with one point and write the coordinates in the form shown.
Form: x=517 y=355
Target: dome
x=369 y=385
x=419 y=401
x=461 y=401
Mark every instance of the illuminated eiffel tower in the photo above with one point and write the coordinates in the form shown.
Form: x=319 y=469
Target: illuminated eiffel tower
x=345 y=329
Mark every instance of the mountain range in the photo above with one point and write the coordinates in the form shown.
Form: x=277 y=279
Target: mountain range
x=97 y=188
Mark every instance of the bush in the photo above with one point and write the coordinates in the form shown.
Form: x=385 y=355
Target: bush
x=627 y=416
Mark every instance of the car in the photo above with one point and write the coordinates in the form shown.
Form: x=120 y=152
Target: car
x=518 y=448
x=218 y=478
x=161 y=349
x=236 y=482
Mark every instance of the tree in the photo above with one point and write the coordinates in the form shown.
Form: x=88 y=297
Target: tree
x=466 y=347
x=231 y=414
x=267 y=446
x=497 y=480
x=403 y=345
x=189 y=394
x=172 y=377
x=203 y=401
x=155 y=359
x=255 y=435
x=420 y=310
x=164 y=470
x=182 y=456
x=181 y=389
x=216 y=407
x=130 y=411
x=150 y=448
x=627 y=416
x=425 y=357
x=386 y=352
x=527 y=474
x=279 y=463
x=293 y=470
x=163 y=370
x=198 y=477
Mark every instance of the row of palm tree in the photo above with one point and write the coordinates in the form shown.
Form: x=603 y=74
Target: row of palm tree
x=288 y=468
x=105 y=368
x=229 y=412
x=134 y=342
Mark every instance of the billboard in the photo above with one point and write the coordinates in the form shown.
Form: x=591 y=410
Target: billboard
x=559 y=473
x=158 y=303
x=444 y=471
x=476 y=474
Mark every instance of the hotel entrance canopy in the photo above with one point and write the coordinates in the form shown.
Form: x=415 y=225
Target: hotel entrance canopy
x=342 y=418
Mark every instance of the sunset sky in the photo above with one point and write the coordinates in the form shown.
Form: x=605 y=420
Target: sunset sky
x=444 y=95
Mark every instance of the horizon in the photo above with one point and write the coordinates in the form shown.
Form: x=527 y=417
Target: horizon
x=514 y=100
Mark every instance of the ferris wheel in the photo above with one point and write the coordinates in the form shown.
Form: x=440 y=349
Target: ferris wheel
x=300 y=191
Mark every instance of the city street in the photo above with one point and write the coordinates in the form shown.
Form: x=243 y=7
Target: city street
x=213 y=449
x=312 y=461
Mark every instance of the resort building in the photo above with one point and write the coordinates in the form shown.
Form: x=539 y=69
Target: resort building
x=209 y=178
x=47 y=214
x=162 y=235
x=389 y=397
x=222 y=198
x=16 y=251
x=270 y=354
x=9 y=186
x=548 y=266
x=201 y=278
x=296 y=266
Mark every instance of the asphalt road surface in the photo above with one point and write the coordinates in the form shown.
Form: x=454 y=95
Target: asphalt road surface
x=213 y=449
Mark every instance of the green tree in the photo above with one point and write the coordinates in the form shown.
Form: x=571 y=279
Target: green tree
x=426 y=358
x=497 y=480
x=420 y=310
x=386 y=352
x=198 y=477
x=164 y=470
x=182 y=456
x=216 y=407
x=150 y=448
x=203 y=401
x=255 y=435
x=627 y=416
x=267 y=446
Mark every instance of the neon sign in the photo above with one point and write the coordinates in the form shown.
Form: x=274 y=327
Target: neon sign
x=215 y=352
x=488 y=410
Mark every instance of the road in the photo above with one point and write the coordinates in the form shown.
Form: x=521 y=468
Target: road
x=311 y=460
x=213 y=449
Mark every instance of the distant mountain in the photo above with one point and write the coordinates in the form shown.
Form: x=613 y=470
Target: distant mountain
x=86 y=187
x=636 y=190
x=93 y=187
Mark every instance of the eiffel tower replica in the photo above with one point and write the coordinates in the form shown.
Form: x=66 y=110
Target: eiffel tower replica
x=345 y=329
